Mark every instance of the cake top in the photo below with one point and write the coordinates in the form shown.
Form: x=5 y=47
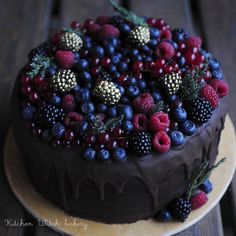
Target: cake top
x=120 y=84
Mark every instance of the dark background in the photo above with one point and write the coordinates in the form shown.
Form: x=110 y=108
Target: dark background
x=26 y=23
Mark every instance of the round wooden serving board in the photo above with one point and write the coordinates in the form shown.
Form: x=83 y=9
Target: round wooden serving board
x=59 y=220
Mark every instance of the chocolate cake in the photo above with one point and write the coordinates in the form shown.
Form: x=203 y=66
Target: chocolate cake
x=115 y=118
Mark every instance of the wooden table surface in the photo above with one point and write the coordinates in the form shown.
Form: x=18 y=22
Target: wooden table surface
x=26 y=23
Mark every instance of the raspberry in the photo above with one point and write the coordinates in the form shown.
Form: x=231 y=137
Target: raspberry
x=68 y=102
x=159 y=121
x=220 y=86
x=194 y=41
x=72 y=119
x=102 y=20
x=65 y=59
x=166 y=34
x=93 y=29
x=165 y=50
x=109 y=31
x=210 y=95
x=161 y=141
x=143 y=103
x=140 y=122
x=198 y=200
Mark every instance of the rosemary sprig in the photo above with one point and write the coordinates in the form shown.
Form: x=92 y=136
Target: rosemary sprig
x=128 y=15
x=99 y=128
x=76 y=31
x=202 y=176
x=160 y=106
x=40 y=65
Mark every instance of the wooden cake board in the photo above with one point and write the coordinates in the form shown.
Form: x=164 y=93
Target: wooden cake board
x=60 y=221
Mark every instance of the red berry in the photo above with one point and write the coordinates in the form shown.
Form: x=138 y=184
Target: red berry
x=72 y=119
x=36 y=132
x=190 y=57
x=26 y=89
x=102 y=20
x=90 y=139
x=103 y=138
x=25 y=80
x=159 y=63
x=93 y=29
x=140 y=122
x=159 y=23
x=220 y=86
x=117 y=132
x=33 y=96
x=182 y=46
x=137 y=66
x=122 y=79
x=65 y=59
x=210 y=95
x=94 y=61
x=68 y=102
x=149 y=65
x=75 y=24
x=109 y=31
x=112 y=144
x=165 y=50
x=40 y=83
x=159 y=121
x=87 y=23
x=94 y=71
x=194 y=41
x=198 y=199
x=166 y=34
x=124 y=143
x=161 y=141
x=105 y=61
x=69 y=135
x=151 y=22
x=143 y=103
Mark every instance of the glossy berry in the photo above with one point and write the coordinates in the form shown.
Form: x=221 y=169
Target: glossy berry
x=119 y=154
x=103 y=155
x=82 y=65
x=127 y=112
x=180 y=115
x=188 y=128
x=132 y=91
x=82 y=95
x=220 y=86
x=159 y=121
x=141 y=143
x=58 y=130
x=177 y=138
x=181 y=208
x=127 y=126
x=140 y=122
x=161 y=141
x=111 y=145
x=198 y=199
x=144 y=103
x=28 y=112
x=165 y=50
x=104 y=138
x=87 y=108
x=209 y=93
x=165 y=215
x=206 y=186
x=55 y=100
x=89 y=154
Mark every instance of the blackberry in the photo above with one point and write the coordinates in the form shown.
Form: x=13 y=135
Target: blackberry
x=141 y=143
x=41 y=50
x=139 y=36
x=71 y=41
x=104 y=75
x=171 y=83
x=199 y=110
x=181 y=208
x=48 y=115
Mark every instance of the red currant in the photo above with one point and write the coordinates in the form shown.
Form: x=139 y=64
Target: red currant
x=69 y=135
x=75 y=24
x=90 y=139
x=103 y=138
x=137 y=67
x=124 y=143
x=105 y=61
x=33 y=96
x=112 y=144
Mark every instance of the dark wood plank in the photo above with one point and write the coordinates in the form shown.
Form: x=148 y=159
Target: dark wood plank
x=206 y=226
x=176 y=13
x=82 y=10
x=221 y=41
x=23 y=24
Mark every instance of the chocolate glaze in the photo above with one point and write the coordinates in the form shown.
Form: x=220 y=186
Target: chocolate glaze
x=115 y=192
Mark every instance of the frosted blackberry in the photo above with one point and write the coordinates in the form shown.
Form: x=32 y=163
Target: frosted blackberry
x=199 y=110
x=171 y=83
x=181 y=208
x=48 y=115
x=139 y=36
x=141 y=143
x=71 y=41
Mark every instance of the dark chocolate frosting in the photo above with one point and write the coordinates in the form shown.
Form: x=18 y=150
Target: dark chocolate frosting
x=118 y=192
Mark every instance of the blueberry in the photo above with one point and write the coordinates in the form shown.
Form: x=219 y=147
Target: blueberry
x=83 y=127
x=102 y=108
x=115 y=60
x=119 y=154
x=122 y=89
x=98 y=51
x=142 y=85
x=55 y=100
x=138 y=58
x=76 y=88
x=89 y=154
x=177 y=138
x=130 y=81
x=87 y=39
x=119 y=55
x=127 y=126
x=217 y=74
x=124 y=28
x=181 y=61
x=152 y=43
x=88 y=45
x=134 y=52
x=51 y=71
x=58 y=131
x=90 y=117
x=87 y=107
x=147 y=59
x=173 y=98
x=188 y=128
x=46 y=135
x=28 y=112
x=83 y=95
x=156 y=97
x=132 y=91
x=109 y=49
x=112 y=112
x=124 y=100
x=127 y=112
x=206 y=54
x=116 y=75
x=114 y=41
x=179 y=35
x=82 y=65
x=85 y=76
x=214 y=64
x=103 y=155
x=206 y=186
x=154 y=33
x=180 y=115
x=165 y=216
x=77 y=56
x=112 y=69
x=88 y=85
x=123 y=67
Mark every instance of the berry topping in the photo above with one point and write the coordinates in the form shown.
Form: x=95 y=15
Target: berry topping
x=161 y=141
x=194 y=41
x=140 y=122
x=181 y=208
x=165 y=50
x=141 y=143
x=220 y=86
x=177 y=138
x=109 y=31
x=159 y=121
x=65 y=59
x=206 y=186
x=198 y=199
x=119 y=154
x=143 y=103
x=210 y=95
